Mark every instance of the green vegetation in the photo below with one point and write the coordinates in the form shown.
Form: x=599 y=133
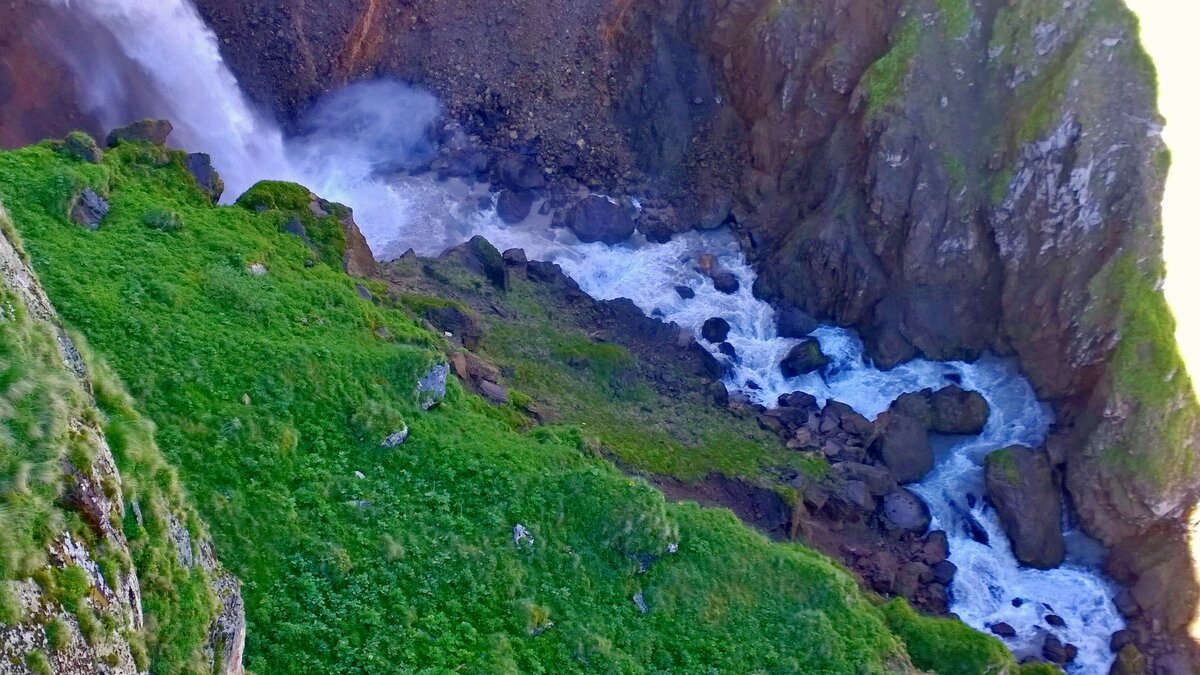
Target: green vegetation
x=885 y=77
x=957 y=15
x=57 y=634
x=1004 y=464
x=38 y=664
x=601 y=388
x=269 y=392
x=1148 y=371
x=291 y=204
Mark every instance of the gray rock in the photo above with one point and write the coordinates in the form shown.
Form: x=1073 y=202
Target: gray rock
x=396 y=438
x=1021 y=486
x=598 y=219
x=82 y=147
x=793 y=323
x=520 y=173
x=905 y=512
x=804 y=358
x=640 y=603
x=725 y=282
x=877 y=478
x=522 y=536
x=142 y=131
x=88 y=209
x=431 y=388
x=956 y=411
x=715 y=330
x=856 y=494
x=943 y=572
x=1003 y=630
x=685 y=292
x=515 y=257
x=493 y=392
x=903 y=445
x=1055 y=651
x=199 y=164
x=513 y=207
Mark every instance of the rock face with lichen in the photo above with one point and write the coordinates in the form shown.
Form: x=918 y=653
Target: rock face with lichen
x=72 y=592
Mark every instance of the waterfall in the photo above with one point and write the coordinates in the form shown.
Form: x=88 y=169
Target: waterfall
x=166 y=63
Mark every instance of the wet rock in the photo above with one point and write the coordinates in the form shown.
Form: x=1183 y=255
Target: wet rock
x=685 y=292
x=902 y=443
x=715 y=330
x=598 y=219
x=431 y=388
x=943 y=572
x=520 y=173
x=793 y=323
x=199 y=164
x=88 y=209
x=142 y=131
x=493 y=392
x=904 y=511
x=1055 y=651
x=709 y=364
x=798 y=399
x=714 y=213
x=728 y=350
x=1055 y=620
x=803 y=359
x=956 y=411
x=1003 y=630
x=513 y=207
x=1121 y=638
x=82 y=147
x=935 y=548
x=396 y=438
x=725 y=282
x=1022 y=488
x=1130 y=661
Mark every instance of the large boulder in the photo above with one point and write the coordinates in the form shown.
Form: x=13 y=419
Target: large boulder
x=806 y=357
x=598 y=219
x=715 y=330
x=1021 y=486
x=793 y=323
x=141 y=131
x=479 y=256
x=513 y=207
x=957 y=411
x=903 y=511
x=82 y=147
x=902 y=443
x=520 y=173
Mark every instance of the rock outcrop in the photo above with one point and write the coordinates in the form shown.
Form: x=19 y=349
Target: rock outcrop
x=74 y=604
x=1021 y=486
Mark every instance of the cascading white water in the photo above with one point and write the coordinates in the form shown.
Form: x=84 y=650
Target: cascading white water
x=169 y=46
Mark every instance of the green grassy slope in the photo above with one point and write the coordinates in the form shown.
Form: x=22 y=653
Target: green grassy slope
x=269 y=394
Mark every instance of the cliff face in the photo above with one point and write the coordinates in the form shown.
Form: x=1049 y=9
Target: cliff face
x=98 y=567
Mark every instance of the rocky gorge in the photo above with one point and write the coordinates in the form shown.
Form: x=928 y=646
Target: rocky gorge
x=947 y=178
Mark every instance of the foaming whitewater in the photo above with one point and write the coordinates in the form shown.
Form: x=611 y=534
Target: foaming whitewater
x=157 y=58
x=164 y=62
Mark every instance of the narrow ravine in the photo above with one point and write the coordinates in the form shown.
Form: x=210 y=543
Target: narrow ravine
x=166 y=49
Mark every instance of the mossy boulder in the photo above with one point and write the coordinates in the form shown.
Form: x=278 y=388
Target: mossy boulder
x=147 y=130
x=806 y=357
x=1021 y=486
x=81 y=146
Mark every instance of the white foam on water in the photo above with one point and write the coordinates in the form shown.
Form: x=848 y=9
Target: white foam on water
x=168 y=45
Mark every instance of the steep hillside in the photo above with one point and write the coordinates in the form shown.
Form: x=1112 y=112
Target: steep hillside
x=377 y=524
x=104 y=566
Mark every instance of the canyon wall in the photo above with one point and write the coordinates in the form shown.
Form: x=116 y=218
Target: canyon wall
x=947 y=176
